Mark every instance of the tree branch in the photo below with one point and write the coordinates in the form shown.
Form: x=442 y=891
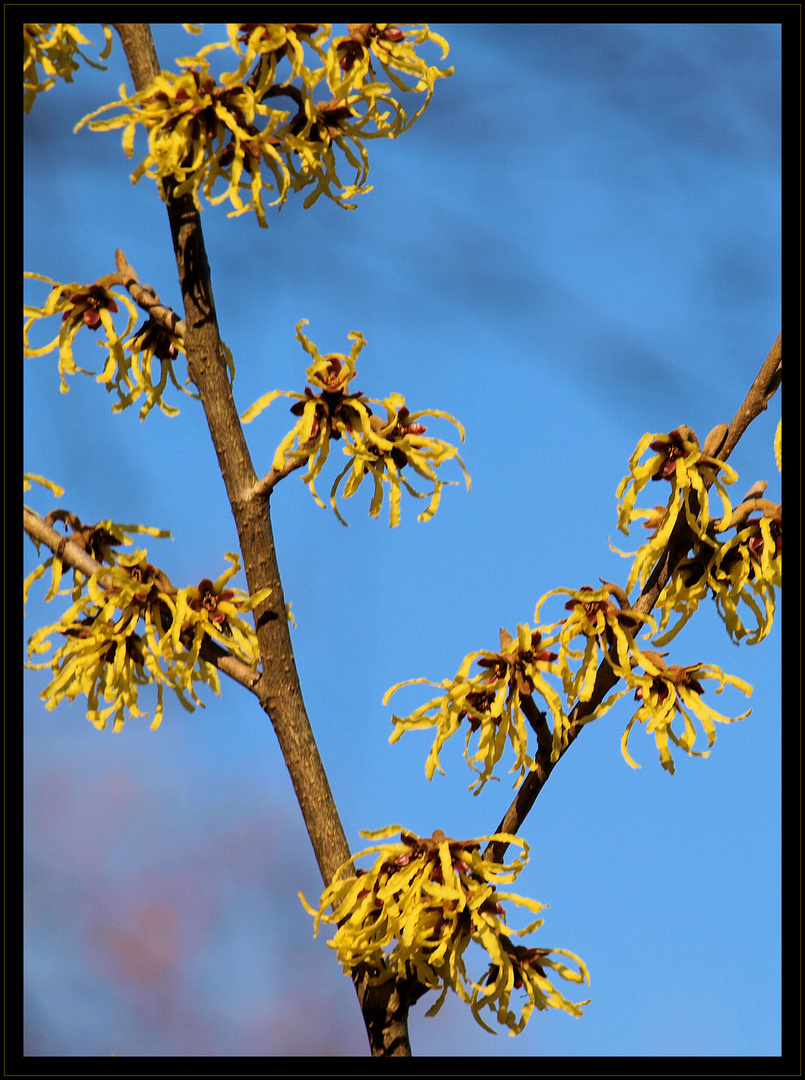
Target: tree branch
x=145 y=296
x=74 y=556
x=263 y=488
x=279 y=691
x=384 y=1008
x=756 y=401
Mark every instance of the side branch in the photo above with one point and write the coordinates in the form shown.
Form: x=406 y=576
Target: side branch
x=757 y=400
x=146 y=297
x=263 y=488
x=761 y=392
x=73 y=555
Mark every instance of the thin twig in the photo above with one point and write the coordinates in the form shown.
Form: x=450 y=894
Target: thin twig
x=539 y=723
x=263 y=488
x=146 y=297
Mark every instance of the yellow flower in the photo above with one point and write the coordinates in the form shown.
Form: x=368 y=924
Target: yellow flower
x=349 y=59
x=750 y=563
x=376 y=447
x=415 y=912
x=361 y=108
x=273 y=42
x=687 y=587
x=491 y=703
x=82 y=306
x=129 y=366
x=96 y=540
x=337 y=124
x=330 y=414
x=149 y=342
x=209 y=610
x=741 y=571
x=680 y=460
x=668 y=692
x=104 y=656
x=198 y=131
x=604 y=625
x=520 y=968
x=386 y=448
x=52 y=47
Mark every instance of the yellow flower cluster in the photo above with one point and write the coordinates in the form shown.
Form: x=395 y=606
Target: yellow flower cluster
x=423 y=902
x=742 y=571
x=377 y=447
x=128 y=626
x=492 y=704
x=605 y=627
x=202 y=130
x=497 y=701
x=53 y=47
x=678 y=459
x=130 y=368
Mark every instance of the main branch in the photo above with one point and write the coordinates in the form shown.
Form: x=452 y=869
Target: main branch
x=762 y=390
x=384 y=1008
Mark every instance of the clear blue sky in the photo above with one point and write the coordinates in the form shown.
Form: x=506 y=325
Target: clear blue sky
x=579 y=242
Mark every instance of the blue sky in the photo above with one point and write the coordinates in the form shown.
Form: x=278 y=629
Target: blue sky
x=579 y=242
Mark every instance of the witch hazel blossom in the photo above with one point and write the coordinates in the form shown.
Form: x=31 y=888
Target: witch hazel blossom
x=740 y=571
x=81 y=307
x=490 y=703
x=199 y=132
x=106 y=654
x=672 y=692
x=128 y=627
x=747 y=569
x=741 y=574
x=129 y=368
x=377 y=448
x=272 y=43
x=608 y=631
x=349 y=59
x=419 y=907
x=248 y=132
x=151 y=341
x=53 y=47
x=388 y=448
x=328 y=415
x=680 y=461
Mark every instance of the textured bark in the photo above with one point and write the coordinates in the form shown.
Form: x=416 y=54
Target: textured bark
x=384 y=1008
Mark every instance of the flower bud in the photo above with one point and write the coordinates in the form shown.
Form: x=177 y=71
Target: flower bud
x=715 y=440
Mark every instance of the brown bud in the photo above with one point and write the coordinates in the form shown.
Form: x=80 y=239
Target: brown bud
x=617 y=591
x=715 y=440
x=741 y=513
x=756 y=490
x=684 y=432
x=656 y=659
x=360 y=32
